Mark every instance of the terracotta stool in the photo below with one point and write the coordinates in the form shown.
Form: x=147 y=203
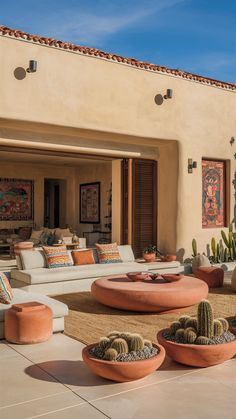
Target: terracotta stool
x=28 y=323
x=18 y=247
x=214 y=277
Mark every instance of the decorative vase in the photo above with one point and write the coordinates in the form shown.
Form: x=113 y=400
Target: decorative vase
x=123 y=371
x=149 y=257
x=197 y=355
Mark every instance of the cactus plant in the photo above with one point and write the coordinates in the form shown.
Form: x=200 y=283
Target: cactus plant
x=104 y=343
x=205 y=319
x=224 y=323
x=194 y=247
x=179 y=334
x=218 y=328
x=174 y=327
x=190 y=335
x=213 y=248
x=120 y=345
x=147 y=343
x=183 y=320
x=110 y=354
x=202 y=340
x=192 y=322
x=136 y=343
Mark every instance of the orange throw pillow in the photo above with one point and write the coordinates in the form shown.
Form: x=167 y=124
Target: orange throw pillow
x=83 y=257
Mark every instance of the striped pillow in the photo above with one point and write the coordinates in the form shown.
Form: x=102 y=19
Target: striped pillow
x=6 y=294
x=108 y=253
x=57 y=257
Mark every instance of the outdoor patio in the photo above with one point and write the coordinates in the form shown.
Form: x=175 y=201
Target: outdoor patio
x=50 y=380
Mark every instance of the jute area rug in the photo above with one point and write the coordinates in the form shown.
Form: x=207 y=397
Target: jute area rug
x=88 y=320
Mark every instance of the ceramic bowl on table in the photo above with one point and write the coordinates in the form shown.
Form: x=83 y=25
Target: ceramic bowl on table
x=138 y=276
x=172 y=277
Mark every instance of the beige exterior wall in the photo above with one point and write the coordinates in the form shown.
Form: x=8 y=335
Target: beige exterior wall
x=87 y=100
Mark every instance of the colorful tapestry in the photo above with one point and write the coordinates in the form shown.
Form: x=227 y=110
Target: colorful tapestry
x=90 y=203
x=16 y=199
x=213 y=193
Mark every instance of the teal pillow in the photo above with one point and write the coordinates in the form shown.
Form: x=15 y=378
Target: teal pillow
x=51 y=239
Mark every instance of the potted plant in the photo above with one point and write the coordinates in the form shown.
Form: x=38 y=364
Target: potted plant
x=199 y=341
x=121 y=356
x=149 y=253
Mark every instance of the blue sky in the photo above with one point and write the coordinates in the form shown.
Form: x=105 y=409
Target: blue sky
x=194 y=35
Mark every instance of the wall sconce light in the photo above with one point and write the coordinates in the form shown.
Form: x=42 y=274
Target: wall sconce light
x=169 y=94
x=32 y=66
x=232 y=140
x=191 y=165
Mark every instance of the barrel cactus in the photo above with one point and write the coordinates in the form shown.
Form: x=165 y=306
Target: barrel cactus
x=136 y=343
x=104 y=343
x=224 y=323
x=179 y=334
x=183 y=320
x=202 y=340
x=218 y=328
x=174 y=327
x=192 y=322
x=190 y=335
x=110 y=354
x=120 y=345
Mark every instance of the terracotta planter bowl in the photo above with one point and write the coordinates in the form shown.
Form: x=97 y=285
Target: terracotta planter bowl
x=172 y=277
x=138 y=276
x=123 y=371
x=197 y=355
x=231 y=328
x=149 y=257
x=168 y=258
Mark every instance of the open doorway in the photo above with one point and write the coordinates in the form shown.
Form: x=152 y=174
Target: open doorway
x=54 y=203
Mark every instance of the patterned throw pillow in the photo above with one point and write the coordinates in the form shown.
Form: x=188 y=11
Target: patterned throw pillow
x=108 y=253
x=83 y=257
x=6 y=294
x=57 y=257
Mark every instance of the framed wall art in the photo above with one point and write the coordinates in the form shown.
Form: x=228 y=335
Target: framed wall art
x=90 y=203
x=213 y=193
x=16 y=199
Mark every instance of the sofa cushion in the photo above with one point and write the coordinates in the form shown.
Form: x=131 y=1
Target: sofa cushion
x=83 y=257
x=6 y=294
x=20 y=296
x=45 y=275
x=60 y=233
x=126 y=253
x=108 y=253
x=32 y=259
x=57 y=257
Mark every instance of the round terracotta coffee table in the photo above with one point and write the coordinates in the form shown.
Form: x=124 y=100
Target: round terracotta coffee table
x=120 y=292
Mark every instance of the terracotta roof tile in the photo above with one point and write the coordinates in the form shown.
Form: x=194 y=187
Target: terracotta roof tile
x=4 y=30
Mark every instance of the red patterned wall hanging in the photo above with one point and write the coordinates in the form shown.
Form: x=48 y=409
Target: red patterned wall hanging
x=16 y=199
x=213 y=193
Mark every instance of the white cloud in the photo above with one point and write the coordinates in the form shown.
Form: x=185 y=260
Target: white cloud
x=92 y=28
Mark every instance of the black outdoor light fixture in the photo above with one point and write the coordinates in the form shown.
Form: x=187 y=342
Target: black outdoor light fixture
x=169 y=94
x=32 y=66
x=191 y=165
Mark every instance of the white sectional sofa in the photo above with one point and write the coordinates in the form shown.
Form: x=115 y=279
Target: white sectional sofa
x=59 y=310
x=35 y=276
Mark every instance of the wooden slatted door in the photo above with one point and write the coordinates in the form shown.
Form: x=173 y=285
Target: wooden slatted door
x=140 y=212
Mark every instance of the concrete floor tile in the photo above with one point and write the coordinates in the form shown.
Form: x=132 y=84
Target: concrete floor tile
x=77 y=376
x=84 y=411
x=59 y=346
x=189 y=397
x=40 y=406
x=6 y=351
x=17 y=386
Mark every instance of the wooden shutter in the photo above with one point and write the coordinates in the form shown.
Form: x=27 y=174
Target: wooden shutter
x=144 y=204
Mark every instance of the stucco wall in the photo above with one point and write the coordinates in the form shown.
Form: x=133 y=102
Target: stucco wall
x=81 y=92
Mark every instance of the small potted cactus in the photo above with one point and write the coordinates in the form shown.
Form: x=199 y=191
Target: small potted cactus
x=199 y=341
x=149 y=253
x=122 y=356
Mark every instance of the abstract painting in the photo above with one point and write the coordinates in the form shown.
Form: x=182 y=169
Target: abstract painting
x=90 y=203
x=16 y=199
x=213 y=194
